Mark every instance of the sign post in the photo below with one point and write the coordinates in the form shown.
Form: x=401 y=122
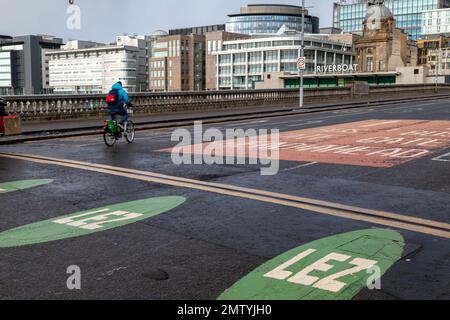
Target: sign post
x=301 y=61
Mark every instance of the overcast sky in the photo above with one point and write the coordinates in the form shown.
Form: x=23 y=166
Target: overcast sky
x=102 y=20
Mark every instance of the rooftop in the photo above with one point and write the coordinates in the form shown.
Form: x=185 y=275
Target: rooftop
x=270 y=9
x=107 y=47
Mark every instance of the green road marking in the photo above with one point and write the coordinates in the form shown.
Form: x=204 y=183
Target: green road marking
x=334 y=268
x=22 y=185
x=88 y=222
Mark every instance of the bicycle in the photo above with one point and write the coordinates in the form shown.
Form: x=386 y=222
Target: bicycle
x=113 y=133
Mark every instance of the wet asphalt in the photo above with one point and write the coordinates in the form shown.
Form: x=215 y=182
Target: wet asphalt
x=203 y=247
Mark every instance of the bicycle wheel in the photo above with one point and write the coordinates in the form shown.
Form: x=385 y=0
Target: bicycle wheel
x=129 y=132
x=109 y=139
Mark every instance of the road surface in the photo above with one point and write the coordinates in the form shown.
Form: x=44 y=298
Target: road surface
x=204 y=228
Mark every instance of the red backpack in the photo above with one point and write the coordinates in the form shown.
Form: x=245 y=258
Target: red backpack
x=113 y=97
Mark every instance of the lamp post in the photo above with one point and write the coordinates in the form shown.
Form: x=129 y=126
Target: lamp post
x=302 y=54
x=436 y=71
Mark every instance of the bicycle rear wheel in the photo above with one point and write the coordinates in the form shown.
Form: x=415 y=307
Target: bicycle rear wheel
x=129 y=132
x=109 y=139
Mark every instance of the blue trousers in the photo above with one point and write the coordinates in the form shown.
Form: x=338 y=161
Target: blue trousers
x=113 y=111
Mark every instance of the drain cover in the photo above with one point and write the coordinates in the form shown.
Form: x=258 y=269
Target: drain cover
x=157 y=274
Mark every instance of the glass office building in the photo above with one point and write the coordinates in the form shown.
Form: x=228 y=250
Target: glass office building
x=5 y=73
x=12 y=71
x=266 y=19
x=23 y=69
x=350 y=16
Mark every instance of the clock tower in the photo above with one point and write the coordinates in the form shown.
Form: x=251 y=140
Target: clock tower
x=383 y=47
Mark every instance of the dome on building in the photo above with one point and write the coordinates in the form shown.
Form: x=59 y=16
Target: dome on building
x=159 y=33
x=378 y=12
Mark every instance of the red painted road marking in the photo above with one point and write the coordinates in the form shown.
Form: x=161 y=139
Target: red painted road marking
x=372 y=143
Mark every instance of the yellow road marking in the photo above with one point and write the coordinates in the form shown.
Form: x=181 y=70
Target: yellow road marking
x=435 y=228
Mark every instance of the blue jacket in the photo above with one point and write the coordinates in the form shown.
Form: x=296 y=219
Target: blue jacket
x=123 y=97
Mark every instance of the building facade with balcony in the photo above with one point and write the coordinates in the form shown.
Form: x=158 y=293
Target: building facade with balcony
x=241 y=64
x=264 y=19
x=214 y=41
x=349 y=15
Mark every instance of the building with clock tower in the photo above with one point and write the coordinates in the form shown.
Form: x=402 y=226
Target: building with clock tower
x=383 y=47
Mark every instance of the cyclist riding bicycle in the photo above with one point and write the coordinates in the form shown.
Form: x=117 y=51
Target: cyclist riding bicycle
x=116 y=100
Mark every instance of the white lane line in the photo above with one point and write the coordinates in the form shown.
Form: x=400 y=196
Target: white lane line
x=300 y=166
x=443 y=158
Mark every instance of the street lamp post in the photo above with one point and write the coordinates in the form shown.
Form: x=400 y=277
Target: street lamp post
x=302 y=53
x=436 y=71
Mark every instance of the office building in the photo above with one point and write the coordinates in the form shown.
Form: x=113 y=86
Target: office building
x=257 y=19
x=178 y=63
x=81 y=44
x=22 y=63
x=142 y=43
x=242 y=64
x=70 y=45
x=214 y=41
x=94 y=69
x=435 y=22
x=4 y=38
x=152 y=39
x=383 y=47
x=349 y=15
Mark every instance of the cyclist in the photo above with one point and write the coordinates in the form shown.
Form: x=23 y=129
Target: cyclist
x=116 y=100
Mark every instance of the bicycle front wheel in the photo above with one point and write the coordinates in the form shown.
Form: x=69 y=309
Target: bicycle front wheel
x=130 y=132
x=109 y=139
